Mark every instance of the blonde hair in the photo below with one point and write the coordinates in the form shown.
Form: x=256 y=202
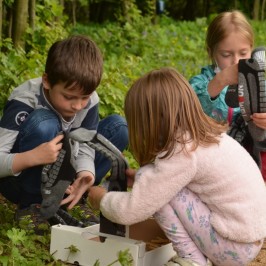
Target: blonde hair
x=222 y=25
x=161 y=108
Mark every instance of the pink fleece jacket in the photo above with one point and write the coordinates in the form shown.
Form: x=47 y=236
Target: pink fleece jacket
x=223 y=175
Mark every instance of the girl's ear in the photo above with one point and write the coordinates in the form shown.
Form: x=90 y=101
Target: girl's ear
x=45 y=82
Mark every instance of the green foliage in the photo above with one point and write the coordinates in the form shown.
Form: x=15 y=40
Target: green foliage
x=148 y=7
x=25 y=248
x=133 y=49
x=20 y=247
x=49 y=26
x=17 y=65
x=259 y=30
x=129 y=13
x=124 y=258
x=129 y=50
x=72 y=250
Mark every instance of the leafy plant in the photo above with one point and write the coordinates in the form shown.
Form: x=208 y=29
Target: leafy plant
x=72 y=249
x=129 y=50
x=124 y=258
x=18 y=65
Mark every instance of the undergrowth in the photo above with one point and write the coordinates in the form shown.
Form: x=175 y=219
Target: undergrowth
x=129 y=51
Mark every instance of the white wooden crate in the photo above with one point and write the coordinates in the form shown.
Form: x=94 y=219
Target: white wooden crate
x=90 y=248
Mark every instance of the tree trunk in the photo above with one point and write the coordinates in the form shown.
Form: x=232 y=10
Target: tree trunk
x=235 y=4
x=32 y=6
x=20 y=16
x=189 y=10
x=256 y=9
x=10 y=24
x=125 y=7
x=205 y=9
x=263 y=9
x=74 y=7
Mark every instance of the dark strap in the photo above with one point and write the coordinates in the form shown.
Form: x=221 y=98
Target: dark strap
x=56 y=178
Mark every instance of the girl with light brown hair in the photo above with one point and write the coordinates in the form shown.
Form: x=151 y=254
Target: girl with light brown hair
x=230 y=40
x=188 y=176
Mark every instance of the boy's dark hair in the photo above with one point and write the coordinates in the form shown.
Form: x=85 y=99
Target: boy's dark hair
x=77 y=61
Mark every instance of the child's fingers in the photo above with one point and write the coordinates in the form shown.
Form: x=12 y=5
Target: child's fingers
x=57 y=139
x=67 y=200
x=259 y=115
x=69 y=190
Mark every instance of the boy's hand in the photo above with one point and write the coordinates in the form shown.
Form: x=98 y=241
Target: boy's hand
x=75 y=191
x=47 y=152
x=95 y=196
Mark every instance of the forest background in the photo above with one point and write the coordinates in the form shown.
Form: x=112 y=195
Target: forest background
x=134 y=36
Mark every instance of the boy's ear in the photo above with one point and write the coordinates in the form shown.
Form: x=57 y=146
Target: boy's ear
x=45 y=82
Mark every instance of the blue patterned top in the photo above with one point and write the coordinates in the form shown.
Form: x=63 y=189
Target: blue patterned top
x=216 y=108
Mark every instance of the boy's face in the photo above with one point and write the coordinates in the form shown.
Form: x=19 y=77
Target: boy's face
x=66 y=101
x=230 y=50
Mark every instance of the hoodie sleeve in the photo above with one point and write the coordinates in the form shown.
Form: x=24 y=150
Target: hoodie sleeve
x=155 y=185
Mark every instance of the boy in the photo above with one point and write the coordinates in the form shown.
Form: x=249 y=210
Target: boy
x=64 y=99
